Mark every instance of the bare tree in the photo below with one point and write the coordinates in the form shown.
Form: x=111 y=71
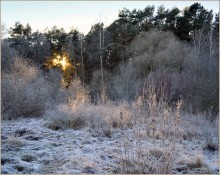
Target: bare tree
x=81 y=39
x=101 y=40
x=71 y=54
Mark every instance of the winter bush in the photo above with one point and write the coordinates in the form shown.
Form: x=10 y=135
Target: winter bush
x=76 y=94
x=154 y=49
x=63 y=118
x=99 y=118
x=198 y=82
x=199 y=91
x=25 y=91
x=151 y=52
x=124 y=84
x=173 y=65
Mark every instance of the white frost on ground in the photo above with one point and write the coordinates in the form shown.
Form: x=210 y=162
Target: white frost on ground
x=71 y=151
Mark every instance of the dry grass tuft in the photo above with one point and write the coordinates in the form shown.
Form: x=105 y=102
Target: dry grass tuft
x=156 y=153
x=14 y=143
x=28 y=158
x=101 y=118
x=61 y=119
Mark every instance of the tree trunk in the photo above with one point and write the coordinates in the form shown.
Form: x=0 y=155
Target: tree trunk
x=83 y=77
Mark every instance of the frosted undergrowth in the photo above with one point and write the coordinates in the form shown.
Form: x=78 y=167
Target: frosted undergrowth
x=28 y=146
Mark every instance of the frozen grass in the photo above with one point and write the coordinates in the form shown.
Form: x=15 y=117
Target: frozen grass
x=194 y=164
x=160 y=156
x=62 y=119
x=28 y=158
x=151 y=132
x=13 y=143
x=101 y=118
x=156 y=122
x=210 y=132
x=89 y=150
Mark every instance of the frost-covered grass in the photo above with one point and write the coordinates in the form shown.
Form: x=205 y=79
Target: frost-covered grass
x=146 y=136
x=70 y=151
x=101 y=119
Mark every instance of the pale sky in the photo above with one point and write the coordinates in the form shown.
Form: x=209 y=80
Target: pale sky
x=78 y=14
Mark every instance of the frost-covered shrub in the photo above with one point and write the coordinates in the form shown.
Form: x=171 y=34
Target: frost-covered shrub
x=105 y=115
x=155 y=49
x=171 y=64
x=153 y=119
x=200 y=92
x=76 y=94
x=63 y=118
x=124 y=84
x=152 y=52
x=195 y=164
x=25 y=91
x=100 y=118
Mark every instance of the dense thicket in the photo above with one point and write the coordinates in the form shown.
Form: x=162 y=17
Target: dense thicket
x=176 y=50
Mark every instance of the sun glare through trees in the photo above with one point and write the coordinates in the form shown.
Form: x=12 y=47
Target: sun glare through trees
x=62 y=61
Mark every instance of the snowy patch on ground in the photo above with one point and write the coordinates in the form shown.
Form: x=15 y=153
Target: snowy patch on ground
x=28 y=146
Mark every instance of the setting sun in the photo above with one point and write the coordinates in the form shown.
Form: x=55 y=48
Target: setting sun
x=58 y=56
x=63 y=63
x=55 y=62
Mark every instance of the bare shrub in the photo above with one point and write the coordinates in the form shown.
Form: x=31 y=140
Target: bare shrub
x=192 y=164
x=101 y=119
x=181 y=71
x=55 y=94
x=154 y=52
x=199 y=82
x=63 y=118
x=105 y=115
x=156 y=49
x=137 y=157
x=76 y=94
x=18 y=87
x=196 y=163
x=196 y=90
x=28 y=158
x=25 y=91
x=124 y=84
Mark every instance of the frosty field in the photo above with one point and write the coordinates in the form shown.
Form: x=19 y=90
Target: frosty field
x=28 y=146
